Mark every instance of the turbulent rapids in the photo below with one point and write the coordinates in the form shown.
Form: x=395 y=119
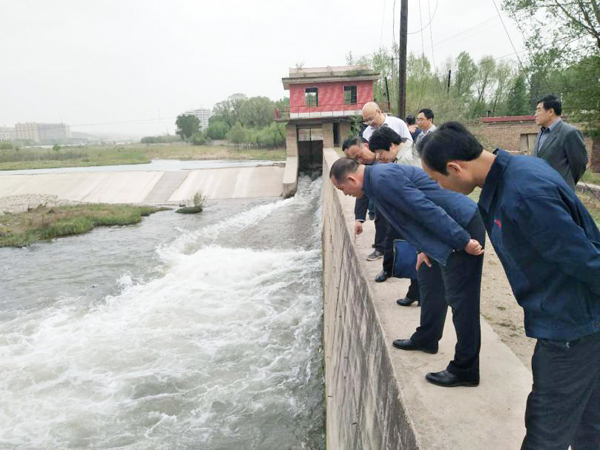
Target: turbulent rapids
x=182 y=332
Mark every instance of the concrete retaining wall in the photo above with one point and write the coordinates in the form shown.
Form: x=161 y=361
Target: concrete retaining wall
x=363 y=401
x=376 y=396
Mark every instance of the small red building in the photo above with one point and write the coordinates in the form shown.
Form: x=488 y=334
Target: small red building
x=324 y=102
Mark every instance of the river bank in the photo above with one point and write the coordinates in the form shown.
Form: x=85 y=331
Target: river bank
x=31 y=218
x=109 y=155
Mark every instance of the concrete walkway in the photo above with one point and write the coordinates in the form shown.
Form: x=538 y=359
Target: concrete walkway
x=150 y=187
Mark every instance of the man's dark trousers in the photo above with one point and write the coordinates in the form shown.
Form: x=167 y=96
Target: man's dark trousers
x=458 y=285
x=380 y=231
x=564 y=405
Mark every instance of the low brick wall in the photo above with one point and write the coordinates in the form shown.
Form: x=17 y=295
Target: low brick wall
x=509 y=135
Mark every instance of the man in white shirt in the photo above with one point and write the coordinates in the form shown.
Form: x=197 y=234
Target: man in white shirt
x=375 y=119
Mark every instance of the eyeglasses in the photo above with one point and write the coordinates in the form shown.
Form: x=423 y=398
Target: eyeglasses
x=369 y=121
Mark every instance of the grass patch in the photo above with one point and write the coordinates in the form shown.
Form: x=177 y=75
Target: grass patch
x=591 y=200
x=39 y=158
x=204 y=152
x=44 y=223
x=591 y=177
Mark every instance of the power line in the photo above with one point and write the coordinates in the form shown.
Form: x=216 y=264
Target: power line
x=430 y=18
x=382 y=23
x=421 y=20
x=451 y=38
x=507 y=55
x=431 y=29
x=394 y=24
x=508 y=34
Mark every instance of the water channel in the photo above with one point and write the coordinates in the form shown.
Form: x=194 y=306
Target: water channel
x=182 y=332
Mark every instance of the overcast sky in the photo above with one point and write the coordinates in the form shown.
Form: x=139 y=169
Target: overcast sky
x=119 y=66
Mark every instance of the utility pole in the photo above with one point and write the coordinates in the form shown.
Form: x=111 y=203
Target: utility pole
x=402 y=60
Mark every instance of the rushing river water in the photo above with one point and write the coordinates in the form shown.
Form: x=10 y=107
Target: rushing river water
x=182 y=332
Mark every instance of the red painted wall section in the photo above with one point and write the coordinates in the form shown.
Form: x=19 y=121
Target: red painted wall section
x=331 y=96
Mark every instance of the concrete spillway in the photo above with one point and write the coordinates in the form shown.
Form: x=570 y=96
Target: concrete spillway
x=150 y=187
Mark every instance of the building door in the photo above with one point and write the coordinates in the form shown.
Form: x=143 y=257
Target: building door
x=310 y=149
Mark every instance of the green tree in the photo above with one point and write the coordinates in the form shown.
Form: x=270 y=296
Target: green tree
x=504 y=79
x=466 y=75
x=581 y=92
x=229 y=110
x=187 y=125
x=217 y=130
x=238 y=135
x=573 y=26
x=198 y=139
x=256 y=112
x=559 y=34
x=518 y=100
x=486 y=72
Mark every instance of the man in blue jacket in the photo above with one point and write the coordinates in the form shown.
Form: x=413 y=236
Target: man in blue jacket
x=549 y=246
x=445 y=227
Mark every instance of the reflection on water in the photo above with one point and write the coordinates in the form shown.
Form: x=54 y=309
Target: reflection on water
x=181 y=332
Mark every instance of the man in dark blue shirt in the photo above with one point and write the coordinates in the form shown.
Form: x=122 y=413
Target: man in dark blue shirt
x=549 y=246
x=445 y=227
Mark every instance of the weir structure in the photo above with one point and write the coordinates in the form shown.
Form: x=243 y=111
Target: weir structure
x=377 y=396
x=325 y=103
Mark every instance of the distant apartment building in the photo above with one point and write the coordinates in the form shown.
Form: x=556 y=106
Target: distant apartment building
x=7 y=134
x=50 y=132
x=27 y=132
x=43 y=132
x=203 y=115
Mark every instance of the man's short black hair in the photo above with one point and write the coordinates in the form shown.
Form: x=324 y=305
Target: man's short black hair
x=383 y=138
x=341 y=168
x=427 y=113
x=353 y=140
x=551 y=101
x=410 y=120
x=450 y=142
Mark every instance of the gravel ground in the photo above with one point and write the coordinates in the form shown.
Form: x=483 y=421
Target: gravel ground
x=20 y=203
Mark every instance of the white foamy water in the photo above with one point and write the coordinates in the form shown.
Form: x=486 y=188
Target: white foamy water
x=221 y=351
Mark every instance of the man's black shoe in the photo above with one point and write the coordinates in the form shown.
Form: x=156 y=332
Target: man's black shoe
x=408 y=301
x=382 y=276
x=447 y=379
x=408 y=344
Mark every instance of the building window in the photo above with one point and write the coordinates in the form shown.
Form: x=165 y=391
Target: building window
x=312 y=96
x=349 y=95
